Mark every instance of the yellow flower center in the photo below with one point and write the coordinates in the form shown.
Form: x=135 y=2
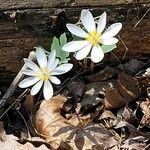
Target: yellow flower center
x=93 y=38
x=43 y=74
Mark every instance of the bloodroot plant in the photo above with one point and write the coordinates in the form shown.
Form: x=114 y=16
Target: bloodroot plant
x=93 y=36
x=44 y=73
x=95 y=41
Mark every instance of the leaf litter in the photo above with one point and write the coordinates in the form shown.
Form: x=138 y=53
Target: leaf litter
x=105 y=109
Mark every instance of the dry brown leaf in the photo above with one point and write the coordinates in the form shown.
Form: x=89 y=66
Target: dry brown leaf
x=125 y=124
x=29 y=103
x=133 y=66
x=107 y=114
x=76 y=88
x=113 y=99
x=145 y=105
x=126 y=113
x=92 y=92
x=136 y=143
x=103 y=75
x=147 y=72
x=78 y=132
x=125 y=91
x=2 y=132
x=108 y=119
x=148 y=92
x=11 y=142
x=133 y=131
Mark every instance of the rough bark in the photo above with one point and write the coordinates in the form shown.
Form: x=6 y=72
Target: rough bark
x=23 y=4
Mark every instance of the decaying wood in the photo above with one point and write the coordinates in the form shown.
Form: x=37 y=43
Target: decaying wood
x=15 y=4
x=26 y=24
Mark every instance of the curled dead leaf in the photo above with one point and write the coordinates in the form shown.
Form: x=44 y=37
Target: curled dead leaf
x=48 y=118
x=113 y=99
x=78 y=132
x=125 y=91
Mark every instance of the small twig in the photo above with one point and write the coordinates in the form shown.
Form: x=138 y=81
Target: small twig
x=81 y=125
x=28 y=131
x=146 y=147
x=14 y=103
x=126 y=48
x=118 y=60
x=15 y=83
x=67 y=80
x=24 y=94
x=8 y=109
x=141 y=18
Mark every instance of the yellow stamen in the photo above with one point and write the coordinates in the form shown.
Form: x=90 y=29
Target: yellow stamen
x=93 y=38
x=43 y=74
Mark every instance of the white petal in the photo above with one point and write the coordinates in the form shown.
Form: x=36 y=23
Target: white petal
x=29 y=72
x=55 y=80
x=83 y=52
x=101 y=23
x=97 y=54
x=47 y=90
x=40 y=48
x=35 y=89
x=62 y=69
x=74 y=46
x=112 y=30
x=41 y=57
x=28 y=82
x=54 y=65
x=76 y=30
x=31 y=64
x=51 y=58
x=109 y=41
x=88 y=20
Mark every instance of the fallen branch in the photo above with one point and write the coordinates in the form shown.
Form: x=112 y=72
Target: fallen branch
x=14 y=84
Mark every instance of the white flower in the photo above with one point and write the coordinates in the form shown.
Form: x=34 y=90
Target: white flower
x=92 y=37
x=44 y=73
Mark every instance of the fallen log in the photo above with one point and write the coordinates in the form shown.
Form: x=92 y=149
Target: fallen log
x=26 y=24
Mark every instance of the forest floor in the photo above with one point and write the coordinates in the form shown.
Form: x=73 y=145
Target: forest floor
x=101 y=107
